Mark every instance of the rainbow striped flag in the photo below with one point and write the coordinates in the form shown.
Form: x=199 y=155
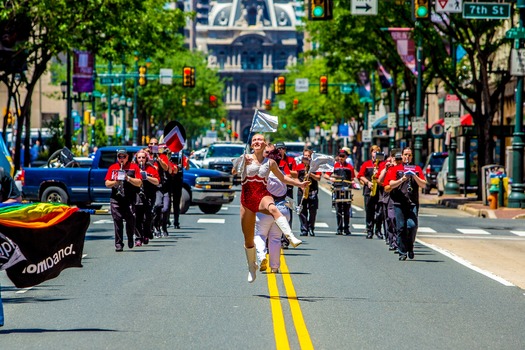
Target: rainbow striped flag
x=39 y=240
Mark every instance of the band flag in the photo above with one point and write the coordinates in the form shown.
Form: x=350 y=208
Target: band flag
x=174 y=140
x=263 y=122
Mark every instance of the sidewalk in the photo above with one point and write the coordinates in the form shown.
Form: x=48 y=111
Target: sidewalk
x=471 y=205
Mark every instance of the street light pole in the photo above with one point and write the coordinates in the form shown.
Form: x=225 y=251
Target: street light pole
x=68 y=103
x=418 y=143
x=452 y=186
x=135 y=97
x=517 y=196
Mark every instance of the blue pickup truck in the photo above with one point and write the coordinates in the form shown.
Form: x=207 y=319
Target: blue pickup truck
x=80 y=181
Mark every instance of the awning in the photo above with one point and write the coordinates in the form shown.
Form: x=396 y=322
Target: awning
x=465 y=120
x=381 y=122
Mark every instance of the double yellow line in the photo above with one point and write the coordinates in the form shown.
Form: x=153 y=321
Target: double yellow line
x=279 y=326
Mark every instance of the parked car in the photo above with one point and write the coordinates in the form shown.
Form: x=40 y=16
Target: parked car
x=295 y=149
x=442 y=177
x=431 y=168
x=70 y=180
x=219 y=157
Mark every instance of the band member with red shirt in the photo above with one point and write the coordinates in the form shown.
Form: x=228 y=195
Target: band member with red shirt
x=309 y=203
x=124 y=179
x=146 y=199
x=288 y=166
x=368 y=174
x=343 y=208
x=182 y=163
x=403 y=182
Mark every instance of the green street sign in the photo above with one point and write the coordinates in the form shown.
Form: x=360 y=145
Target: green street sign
x=484 y=10
x=110 y=80
x=346 y=89
x=515 y=33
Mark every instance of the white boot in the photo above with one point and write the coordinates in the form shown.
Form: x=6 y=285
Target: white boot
x=252 y=263
x=287 y=231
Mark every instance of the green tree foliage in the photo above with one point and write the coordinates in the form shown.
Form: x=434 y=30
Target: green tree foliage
x=106 y=28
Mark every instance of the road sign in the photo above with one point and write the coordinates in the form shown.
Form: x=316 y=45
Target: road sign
x=346 y=89
x=282 y=105
x=419 y=126
x=517 y=62
x=451 y=120
x=437 y=131
x=452 y=104
x=449 y=6
x=301 y=85
x=486 y=10
x=392 y=120
x=367 y=135
x=364 y=7
x=166 y=75
x=110 y=81
x=371 y=120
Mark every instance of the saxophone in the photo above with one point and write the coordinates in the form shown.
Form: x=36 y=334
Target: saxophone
x=374 y=179
x=306 y=191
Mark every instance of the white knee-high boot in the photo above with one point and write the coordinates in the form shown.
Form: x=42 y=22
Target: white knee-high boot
x=282 y=223
x=252 y=263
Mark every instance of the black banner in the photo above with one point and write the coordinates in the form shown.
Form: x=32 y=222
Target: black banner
x=34 y=255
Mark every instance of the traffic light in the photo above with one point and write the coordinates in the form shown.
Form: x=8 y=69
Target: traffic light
x=320 y=10
x=267 y=104
x=280 y=85
x=295 y=103
x=323 y=84
x=87 y=117
x=421 y=9
x=188 y=77
x=143 y=70
x=213 y=101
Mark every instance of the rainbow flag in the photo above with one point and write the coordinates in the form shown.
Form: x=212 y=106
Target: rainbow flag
x=39 y=240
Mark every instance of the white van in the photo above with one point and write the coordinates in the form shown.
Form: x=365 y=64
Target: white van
x=460 y=174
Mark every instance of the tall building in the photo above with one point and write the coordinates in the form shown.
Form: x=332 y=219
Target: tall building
x=250 y=42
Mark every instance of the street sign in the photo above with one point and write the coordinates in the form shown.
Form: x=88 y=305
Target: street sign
x=486 y=10
x=419 y=126
x=367 y=135
x=301 y=85
x=515 y=33
x=451 y=120
x=371 y=120
x=166 y=75
x=452 y=104
x=449 y=6
x=364 y=7
x=114 y=81
x=282 y=105
x=437 y=131
x=346 y=89
x=110 y=130
x=517 y=62
x=392 y=120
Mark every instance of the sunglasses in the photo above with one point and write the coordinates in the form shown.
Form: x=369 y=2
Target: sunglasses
x=122 y=156
x=152 y=144
x=342 y=155
x=141 y=157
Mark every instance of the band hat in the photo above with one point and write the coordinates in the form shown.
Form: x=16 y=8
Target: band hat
x=122 y=151
x=343 y=151
x=280 y=144
x=346 y=149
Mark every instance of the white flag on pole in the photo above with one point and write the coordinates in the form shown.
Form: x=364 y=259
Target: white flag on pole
x=321 y=162
x=263 y=122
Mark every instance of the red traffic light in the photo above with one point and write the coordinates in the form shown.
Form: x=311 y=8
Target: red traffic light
x=323 y=84
x=267 y=104
x=213 y=101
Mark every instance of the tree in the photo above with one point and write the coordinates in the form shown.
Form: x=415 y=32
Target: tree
x=107 y=29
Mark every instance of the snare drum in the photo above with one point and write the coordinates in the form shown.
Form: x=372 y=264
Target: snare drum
x=341 y=192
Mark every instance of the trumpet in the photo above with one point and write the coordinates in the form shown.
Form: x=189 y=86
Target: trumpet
x=306 y=191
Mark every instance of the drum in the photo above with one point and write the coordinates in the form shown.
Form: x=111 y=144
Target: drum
x=342 y=192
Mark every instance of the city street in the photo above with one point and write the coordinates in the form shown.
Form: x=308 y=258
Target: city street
x=189 y=290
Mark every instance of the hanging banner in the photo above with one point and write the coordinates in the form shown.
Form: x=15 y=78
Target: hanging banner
x=406 y=47
x=83 y=71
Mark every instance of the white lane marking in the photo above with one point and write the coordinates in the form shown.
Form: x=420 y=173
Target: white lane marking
x=428 y=215
x=321 y=224
x=359 y=226
x=333 y=233
x=473 y=231
x=234 y=205
x=485 y=238
x=425 y=230
x=103 y=222
x=518 y=233
x=210 y=221
x=25 y=290
x=466 y=263
x=84 y=255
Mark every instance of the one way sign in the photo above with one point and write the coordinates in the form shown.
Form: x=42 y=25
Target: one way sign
x=364 y=7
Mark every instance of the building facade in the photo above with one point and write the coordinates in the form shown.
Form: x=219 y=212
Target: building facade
x=249 y=42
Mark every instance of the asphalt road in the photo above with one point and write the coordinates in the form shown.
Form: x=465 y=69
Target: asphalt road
x=189 y=291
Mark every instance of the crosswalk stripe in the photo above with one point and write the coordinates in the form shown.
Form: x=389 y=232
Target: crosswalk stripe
x=473 y=231
x=518 y=233
x=321 y=224
x=426 y=230
x=210 y=221
x=359 y=226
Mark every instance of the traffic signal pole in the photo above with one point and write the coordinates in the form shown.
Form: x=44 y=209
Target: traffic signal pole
x=418 y=143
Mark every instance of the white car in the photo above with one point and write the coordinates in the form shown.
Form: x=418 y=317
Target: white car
x=219 y=156
x=442 y=176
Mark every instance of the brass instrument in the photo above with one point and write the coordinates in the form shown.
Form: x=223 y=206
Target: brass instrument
x=120 y=187
x=374 y=178
x=306 y=190
x=409 y=186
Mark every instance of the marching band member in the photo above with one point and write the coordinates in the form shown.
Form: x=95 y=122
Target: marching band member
x=368 y=174
x=308 y=199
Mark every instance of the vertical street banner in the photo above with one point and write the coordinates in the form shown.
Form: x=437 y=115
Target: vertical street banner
x=83 y=64
x=406 y=47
